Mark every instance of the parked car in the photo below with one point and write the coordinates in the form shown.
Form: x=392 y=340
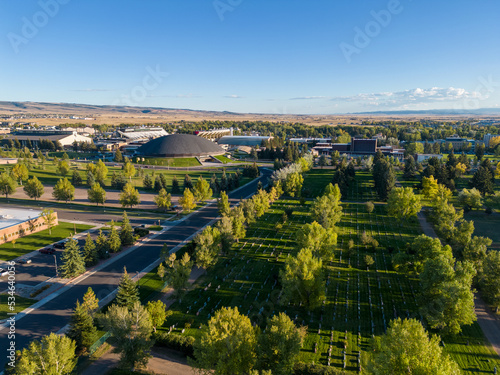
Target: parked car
x=47 y=250
x=24 y=261
x=61 y=244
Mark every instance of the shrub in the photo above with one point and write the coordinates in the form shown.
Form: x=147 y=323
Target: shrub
x=310 y=369
x=141 y=232
x=183 y=344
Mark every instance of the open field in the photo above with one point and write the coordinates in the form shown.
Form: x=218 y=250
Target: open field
x=172 y=162
x=486 y=225
x=358 y=302
x=31 y=242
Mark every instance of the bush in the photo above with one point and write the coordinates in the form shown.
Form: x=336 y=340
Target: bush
x=309 y=369
x=183 y=344
x=141 y=232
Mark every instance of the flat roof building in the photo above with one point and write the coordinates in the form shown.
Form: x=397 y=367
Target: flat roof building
x=20 y=222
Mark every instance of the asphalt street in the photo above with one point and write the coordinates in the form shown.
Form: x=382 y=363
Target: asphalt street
x=55 y=314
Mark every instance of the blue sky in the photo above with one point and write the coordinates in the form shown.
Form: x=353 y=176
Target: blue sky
x=260 y=56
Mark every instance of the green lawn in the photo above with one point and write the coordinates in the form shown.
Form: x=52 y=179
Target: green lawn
x=40 y=239
x=21 y=304
x=224 y=159
x=173 y=162
x=486 y=225
x=316 y=180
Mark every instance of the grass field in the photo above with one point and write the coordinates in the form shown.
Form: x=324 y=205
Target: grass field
x=173 y=162
x=40 y=239
x=21 y=303
x=486 y=226
x=358 y=303
x=49 y=175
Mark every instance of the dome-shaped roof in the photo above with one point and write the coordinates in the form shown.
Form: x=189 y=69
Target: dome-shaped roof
x=180 y=145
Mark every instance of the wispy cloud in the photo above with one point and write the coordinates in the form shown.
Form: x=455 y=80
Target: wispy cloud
x=411 y=97
x=233 y=96
x=309 y=98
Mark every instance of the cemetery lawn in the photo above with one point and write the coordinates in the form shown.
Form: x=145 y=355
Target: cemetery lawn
x=31 y=242
x=359 y=303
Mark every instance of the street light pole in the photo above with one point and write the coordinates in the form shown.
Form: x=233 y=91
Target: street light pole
x=55 y=261
x=74 y=225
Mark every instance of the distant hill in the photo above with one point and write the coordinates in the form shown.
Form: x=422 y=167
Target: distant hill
x=442 y=112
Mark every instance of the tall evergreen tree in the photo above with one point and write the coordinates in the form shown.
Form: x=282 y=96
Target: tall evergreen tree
x=147 y=182
x=128 y=293
x=410 y=168
x=188 y=183
x=90 y=255
x=126 y=232
x=113 y=241
x=82 y=329
x=101 y=244
x=73 y=263
x=175 y=186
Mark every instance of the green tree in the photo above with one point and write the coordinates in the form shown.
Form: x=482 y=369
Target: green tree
x=470 y=199
x=178 y=272
x=82 y=329
x=226 y=345
x=322 y=162
x=147 y=182
x=415 y=148
x=63 y=168
x=72 y=260
x=188 y=184
x=207 y=247
x=410 y=167
x=187 y=201
x=126 y=232
x=129 y=170
x=48 y=218
x=158 y=313
x=63 y=191
x=54 y=354
x=34 y=188
x=96 y=194
x=327 y=209
x=118 y=156
x=369 y=207
x=223 y=204
x=129 y=197
x=90 y=302
x=131 y=327
x=368 y=260
x=20 y=172
x=101 y=244
x=407 y=349
x=7 y=185
x=447 y=299
x=238 y=223
x=100 y=172
x=319 y=240
x=113 y=242
x=163 y=200
x=128 y=292
x=384 y=177
x=402 y=203
x=293 y=184
x=279 y=345
x=90 y=255
x=475 y=251
x=429 y=187
x=175 y=186
x=490 y=278
x=225 y=227
x=202 y=190
x=302 y=279
x=483 y=180
x=479 y=151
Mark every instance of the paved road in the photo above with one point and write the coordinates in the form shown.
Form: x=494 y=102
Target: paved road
x=56 y=313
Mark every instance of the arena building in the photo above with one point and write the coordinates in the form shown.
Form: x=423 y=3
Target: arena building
x=180 y=146
x=18 y=222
